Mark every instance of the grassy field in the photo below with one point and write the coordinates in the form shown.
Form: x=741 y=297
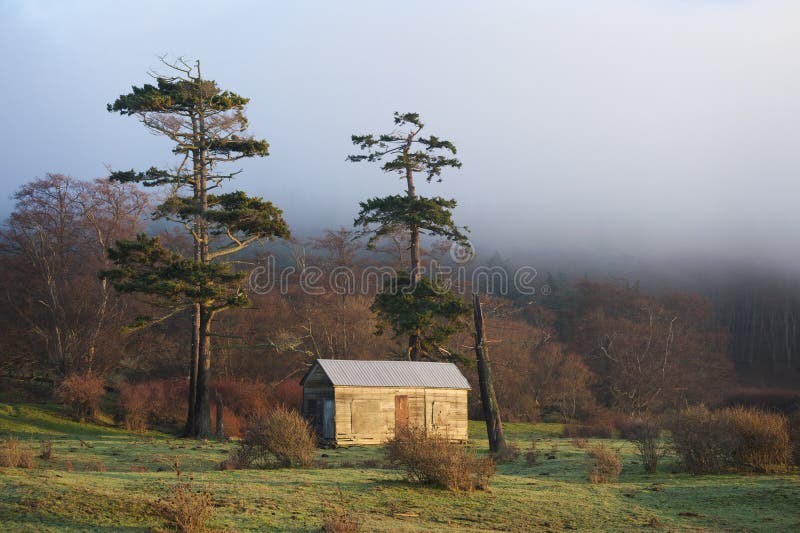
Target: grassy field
x=71 y=492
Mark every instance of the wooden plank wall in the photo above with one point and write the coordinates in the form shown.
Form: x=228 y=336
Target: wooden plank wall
x=366 y=415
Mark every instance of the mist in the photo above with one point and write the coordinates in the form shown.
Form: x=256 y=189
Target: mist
x=615 y=136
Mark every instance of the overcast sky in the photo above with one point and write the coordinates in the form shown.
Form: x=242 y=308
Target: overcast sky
x=645 y=127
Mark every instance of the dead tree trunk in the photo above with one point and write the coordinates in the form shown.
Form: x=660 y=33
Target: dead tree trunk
x=491 y=411
x=220 y=420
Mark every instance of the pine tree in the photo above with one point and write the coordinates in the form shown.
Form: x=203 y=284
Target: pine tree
x=208 y=126
x=415 y=306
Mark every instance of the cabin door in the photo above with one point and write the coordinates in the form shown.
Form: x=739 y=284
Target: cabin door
x=400 y=413
x=327 y=419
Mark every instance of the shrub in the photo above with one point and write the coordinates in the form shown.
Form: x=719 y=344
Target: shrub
x=282 y=434
x=532 y=456
x=645 y=433
x=137 y=402
x=762 y=443
x=186 y=508
x=288 y=393
x=82 y=393
x=606 y=464
x=340 y=522
x=244 y=398
x=46 y=450
x=15 y=455
x=95 y=466
x=580 y=443
x=159 y=402
x=436 y=460
x=736 y=438
x=603 y=430
x=794 y=436
x=508 y=454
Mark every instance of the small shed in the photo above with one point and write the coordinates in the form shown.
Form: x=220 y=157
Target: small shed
x=366 y=402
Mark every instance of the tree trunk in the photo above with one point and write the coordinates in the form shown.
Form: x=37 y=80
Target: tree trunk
x=194 y=364
x=203 y=402
x=491 y=411
x=220 y=430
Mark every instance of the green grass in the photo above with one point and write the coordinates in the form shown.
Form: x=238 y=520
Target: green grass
x=553 y=495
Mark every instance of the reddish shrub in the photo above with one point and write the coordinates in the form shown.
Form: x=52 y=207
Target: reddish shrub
x=243 y=397
x=82 y=393
x=289 y=394
x=158 y=402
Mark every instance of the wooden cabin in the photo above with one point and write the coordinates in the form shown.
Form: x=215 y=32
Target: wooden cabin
x=366 y=402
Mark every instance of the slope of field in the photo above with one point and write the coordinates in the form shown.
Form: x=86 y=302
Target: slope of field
x=89 y=485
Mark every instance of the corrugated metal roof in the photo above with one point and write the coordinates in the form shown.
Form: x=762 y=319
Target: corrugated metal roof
x=393 y=374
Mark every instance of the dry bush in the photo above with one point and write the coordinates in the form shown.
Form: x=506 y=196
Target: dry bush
x=340 y=522
x=734 y=438
x=46 y=450
x=600 y=426
x=580 y=443
x=436 y=460
x=645 y=433
x=136 y=403
x=139 y=469
x=508 y=454
x=68 y=466
x=532 y=456
x=186 y=508
x=282 y=433
x=606 y=464
x=95 y=466
x=762 y=443
x=14 y=455
x=794 y=436
x=701 y=439
x=82 y=393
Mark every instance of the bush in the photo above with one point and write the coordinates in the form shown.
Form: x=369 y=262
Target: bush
x=159 y=402
x=136 y=402
x=435 y=460
x=585 y=431
x=735 y=438
x=794 y=436
x=15 y=455
x=185 y=508
x=762 y=443
x=508 y=454
x=606 y=464
x=82 y=393
x=282 y=434
x=46 y=450
x=645 y=433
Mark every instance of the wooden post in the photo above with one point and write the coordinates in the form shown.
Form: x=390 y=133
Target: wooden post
x=491 y=411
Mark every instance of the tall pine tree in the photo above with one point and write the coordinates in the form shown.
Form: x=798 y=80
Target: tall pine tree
x=416 y=306
x=208 y=128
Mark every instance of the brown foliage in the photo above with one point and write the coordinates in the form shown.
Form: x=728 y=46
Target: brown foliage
x=606 y=464
x=650 y=353
x=14 y=455
x=435 y=460
x=738 y=439
x=282 y=434
x=82 y=393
